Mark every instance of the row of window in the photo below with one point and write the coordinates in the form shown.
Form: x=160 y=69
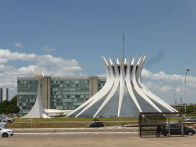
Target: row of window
x=69 y=96
x=53 y=93
x=69 y=81
x=69 y=89
x=69 y=100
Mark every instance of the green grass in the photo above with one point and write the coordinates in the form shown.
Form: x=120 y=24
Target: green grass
x=64 y=122
x=73 y=119
x=67 y=122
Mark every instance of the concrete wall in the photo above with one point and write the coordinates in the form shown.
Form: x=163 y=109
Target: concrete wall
x=3 y=94
x=93 y=86
x=45 y=92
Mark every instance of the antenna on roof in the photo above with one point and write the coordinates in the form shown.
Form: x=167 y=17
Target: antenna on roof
x=123 y=45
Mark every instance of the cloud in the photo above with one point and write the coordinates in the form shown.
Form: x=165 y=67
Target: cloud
x=162 y=84
x=162 y=76
x=165 y=85
x=26 y=63
x=47 y=49
x=40 y=60
x=17 y=44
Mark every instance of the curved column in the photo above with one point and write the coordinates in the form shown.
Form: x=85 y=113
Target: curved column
x=103 y=92
x=137 y=72
x=119 y=85
x=113 y=90
x=140 y=92
x=129 y=86
x=122 y=86
x=92 y=98
x=149 y=93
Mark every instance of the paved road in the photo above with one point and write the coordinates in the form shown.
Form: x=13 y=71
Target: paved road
x=100 y=139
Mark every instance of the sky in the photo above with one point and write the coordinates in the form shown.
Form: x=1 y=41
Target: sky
x=68 y=38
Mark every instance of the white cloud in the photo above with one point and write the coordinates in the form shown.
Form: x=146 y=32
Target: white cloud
x=26 y=63
x=40 y=60
x=17 y=44
x=165 y=85
x=162 y=76
x=162 y=84
x=47 y=49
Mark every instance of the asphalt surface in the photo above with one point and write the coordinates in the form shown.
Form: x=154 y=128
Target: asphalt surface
x=94 y=139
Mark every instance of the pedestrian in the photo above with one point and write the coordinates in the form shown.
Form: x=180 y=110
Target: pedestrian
x=158 y=132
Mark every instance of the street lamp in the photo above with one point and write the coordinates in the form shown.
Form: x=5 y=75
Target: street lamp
x=175 y=97
x=187 y=70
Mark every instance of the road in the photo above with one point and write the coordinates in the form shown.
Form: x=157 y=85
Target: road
x=104 y=137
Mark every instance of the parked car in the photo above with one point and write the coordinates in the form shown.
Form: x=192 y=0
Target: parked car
x=175 y=129
x=2 y=118
x=191 y=119
x=7 y=119
x=96 y=124
x=5 y=132
x=2 y=123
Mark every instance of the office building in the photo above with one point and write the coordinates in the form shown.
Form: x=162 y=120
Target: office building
x=3 y=94
x=61 y=93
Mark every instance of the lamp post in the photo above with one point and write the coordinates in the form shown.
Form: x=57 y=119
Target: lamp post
x=175 y=97
x=187 y=70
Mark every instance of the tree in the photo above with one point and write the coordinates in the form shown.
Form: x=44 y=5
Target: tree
x=181 y=110
x=189 y=109
x=13 y=101
x=9 y=106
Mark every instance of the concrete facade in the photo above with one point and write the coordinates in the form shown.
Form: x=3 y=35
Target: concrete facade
x=45 y=92
x=61 y=93
x=3 y=94
x=93 y=86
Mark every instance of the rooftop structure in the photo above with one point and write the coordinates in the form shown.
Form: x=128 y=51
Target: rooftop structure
x=124 y=94
x=37 y=111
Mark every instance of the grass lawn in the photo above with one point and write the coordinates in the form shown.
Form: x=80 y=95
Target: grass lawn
x=67 y=122
x=64 y=122
x=73 y=119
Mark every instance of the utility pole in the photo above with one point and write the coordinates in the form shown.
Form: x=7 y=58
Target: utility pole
x=187 y=70
x=123 y=46
x=175 y=97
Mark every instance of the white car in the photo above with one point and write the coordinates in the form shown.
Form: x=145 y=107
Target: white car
x=6 y=132
x=191 y=119
x=7 y=119
x=2 y=123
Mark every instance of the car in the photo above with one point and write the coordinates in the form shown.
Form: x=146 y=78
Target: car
x=6 y=132
x=96 y=124
x=175 y=129
x=191 y=119
x=2 y=123
x=7 y=119
x=2 y=118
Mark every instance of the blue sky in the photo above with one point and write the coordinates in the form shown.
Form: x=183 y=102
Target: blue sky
x=85 y=30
